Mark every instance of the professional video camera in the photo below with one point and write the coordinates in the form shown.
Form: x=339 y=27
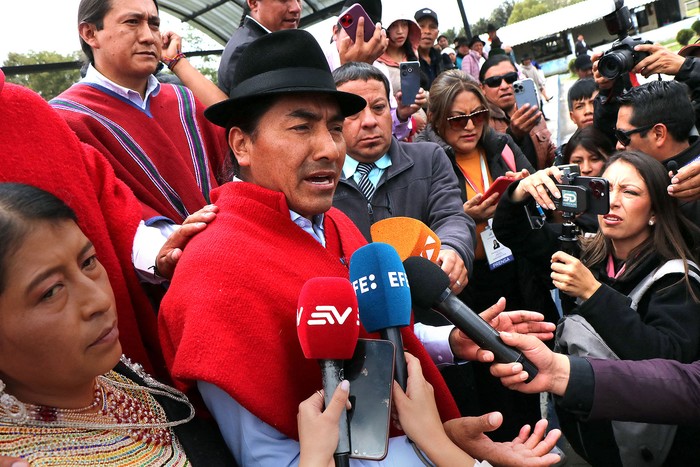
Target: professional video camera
x=621 y=57
x=579 y=194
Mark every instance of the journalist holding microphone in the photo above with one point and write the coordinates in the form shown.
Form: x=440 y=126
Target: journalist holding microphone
x=635 y=283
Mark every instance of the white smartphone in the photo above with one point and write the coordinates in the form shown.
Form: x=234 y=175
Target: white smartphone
x=525 y=93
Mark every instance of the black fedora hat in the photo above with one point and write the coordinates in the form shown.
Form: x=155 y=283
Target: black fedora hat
x=283 y=62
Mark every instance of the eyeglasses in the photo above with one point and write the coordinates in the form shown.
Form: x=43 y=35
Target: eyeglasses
x=623 y=136
x=459 y=122
x=495 y=81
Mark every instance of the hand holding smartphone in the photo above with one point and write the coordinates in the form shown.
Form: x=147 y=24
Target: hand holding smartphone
x=348 y=20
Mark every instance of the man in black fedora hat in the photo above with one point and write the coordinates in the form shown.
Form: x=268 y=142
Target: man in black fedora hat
x=228 y=321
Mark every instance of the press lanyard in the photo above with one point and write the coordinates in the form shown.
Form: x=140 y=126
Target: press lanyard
x=611 y=268
x=484 y=175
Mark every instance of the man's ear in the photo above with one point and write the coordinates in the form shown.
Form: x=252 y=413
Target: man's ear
x=88 y=32
x=239 y=142
x=253 y=5
x=660 y=134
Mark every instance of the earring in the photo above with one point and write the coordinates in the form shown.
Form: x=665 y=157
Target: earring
x=651 y=222
x=10 y=407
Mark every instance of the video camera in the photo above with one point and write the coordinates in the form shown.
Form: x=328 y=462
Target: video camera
x=621 y=58
x=579 y=194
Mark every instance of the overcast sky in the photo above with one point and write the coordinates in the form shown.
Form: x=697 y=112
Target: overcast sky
x=51 y=24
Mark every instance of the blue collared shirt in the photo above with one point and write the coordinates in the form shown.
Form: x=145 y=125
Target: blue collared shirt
x=350 y=169
x=95 y=77
x=315 y=228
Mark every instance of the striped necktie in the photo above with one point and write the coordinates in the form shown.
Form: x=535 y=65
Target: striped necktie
x=366 y=187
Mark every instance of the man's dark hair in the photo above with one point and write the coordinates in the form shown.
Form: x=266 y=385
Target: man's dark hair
x=94 y=12
x=493 y=61
x=664 y=102
x=359 y=71
x=581 y=89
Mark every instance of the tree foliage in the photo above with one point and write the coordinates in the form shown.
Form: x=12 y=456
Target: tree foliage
x=527 y=9
x=499 y=18
x=696 y=27
x=48 y=84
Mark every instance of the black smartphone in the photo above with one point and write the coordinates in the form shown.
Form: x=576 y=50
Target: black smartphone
x=371 y=376
x=584 y=194
x=410 y=81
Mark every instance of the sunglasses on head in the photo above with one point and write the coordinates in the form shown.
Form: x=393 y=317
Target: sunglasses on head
x=459 y=122
x=495 y=81
x=623 y=136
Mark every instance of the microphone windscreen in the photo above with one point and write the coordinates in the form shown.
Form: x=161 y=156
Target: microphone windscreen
x=379 y=280
x=410 y=237
x=429 y=281
x=328 y=323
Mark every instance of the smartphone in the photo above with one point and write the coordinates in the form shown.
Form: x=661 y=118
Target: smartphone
x=498 y=186
x=585 y=194
x=348 y=21
x=410 y=81
x=371 y=376
x=525 y=93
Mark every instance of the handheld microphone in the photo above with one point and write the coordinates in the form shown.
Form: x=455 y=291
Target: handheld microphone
x=431 y=288
x=672 y=166
x=410 y=237
x=328 y=326
x=383 y=297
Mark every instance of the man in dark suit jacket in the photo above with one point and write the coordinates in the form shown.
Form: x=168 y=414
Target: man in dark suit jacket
x=265 y=16
x=581 y=47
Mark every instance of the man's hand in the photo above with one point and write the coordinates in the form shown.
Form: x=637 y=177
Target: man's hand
x=404 y=112
x=528 y=449
x=602 y=82
x=452 y=264
x=553 y=368
x=685 y=185
x=170 y=253
x=361 y=51
x=521 y=321
x=172 y=44
x=660 y=60
x=571 y=277
x=481 y=210
x=523 y=121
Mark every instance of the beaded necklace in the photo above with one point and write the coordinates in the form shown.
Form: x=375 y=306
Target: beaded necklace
x=123 y=420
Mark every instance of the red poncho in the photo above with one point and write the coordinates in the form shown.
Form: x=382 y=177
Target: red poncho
x=169 y=155
x=229 y=316
x=37 y=148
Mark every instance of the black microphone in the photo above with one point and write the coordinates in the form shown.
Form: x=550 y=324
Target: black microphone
x=672 y=166
x=430 y=288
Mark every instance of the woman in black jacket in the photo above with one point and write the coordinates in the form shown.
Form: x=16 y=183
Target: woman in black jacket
x=643 y=230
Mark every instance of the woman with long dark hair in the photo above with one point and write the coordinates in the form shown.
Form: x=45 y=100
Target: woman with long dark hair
x=636 y=286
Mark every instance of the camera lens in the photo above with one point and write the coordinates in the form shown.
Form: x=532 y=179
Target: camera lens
x=615 y=63
x=410 y=70
x=346 y=20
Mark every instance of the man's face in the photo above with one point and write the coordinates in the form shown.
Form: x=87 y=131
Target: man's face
x=276 y=15
x=581 y=112
x=297 y=149
x=443 y=42
x=584 y=73
x=368 y=132
x=128 y=48
x=637 y=141
x=501 y=96
x=428 y=32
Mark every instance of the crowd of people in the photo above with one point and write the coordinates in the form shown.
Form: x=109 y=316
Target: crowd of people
x=150 y=270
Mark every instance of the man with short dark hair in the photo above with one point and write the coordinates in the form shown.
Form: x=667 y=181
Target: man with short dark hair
x=432 y=62
x=265 y=16
x=409 y=179
x=583 y=66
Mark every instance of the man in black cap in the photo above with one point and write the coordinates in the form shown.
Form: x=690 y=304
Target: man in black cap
x=432 y=62
x=265 y=16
